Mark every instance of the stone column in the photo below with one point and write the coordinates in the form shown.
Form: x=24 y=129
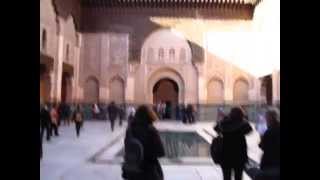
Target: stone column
x=52 y=86
x=129 y=90
x=202 y=90
x=76 y=65
x=104 y=60
x=73 y=87
x=275 y=86
x=254 y=93
x=228 y=90
x=59 y=68
x=103 y=94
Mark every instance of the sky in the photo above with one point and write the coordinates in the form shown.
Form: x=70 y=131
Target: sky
x=256 y=51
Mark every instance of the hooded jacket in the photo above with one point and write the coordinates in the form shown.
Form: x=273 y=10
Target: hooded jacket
x=234 y=142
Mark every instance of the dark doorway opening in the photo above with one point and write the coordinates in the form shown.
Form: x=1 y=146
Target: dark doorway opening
x=266 y=89
x=66 y=87
x=166 y=91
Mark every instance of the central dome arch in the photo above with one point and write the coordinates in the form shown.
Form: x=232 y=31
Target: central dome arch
x=161 y=45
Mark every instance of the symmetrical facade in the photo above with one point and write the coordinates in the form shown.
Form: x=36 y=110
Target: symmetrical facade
x=132 y=52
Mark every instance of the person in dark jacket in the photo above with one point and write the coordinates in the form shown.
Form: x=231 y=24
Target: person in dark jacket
x=67 y=114
x=234 y=156
x=78 y=120
x=45 y=119
x=178 y=112
x=143 y=130
x=270 y=145
x=122 y=113
x=113 y=113
x=190 y=114
x=183 y=114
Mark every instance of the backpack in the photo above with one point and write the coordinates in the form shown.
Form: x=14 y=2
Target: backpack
x=133 y=155
x=216 y=148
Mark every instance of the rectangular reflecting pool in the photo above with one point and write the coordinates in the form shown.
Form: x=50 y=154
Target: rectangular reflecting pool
x=182 y=145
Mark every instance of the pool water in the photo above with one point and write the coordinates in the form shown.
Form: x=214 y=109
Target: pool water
x=182 y=144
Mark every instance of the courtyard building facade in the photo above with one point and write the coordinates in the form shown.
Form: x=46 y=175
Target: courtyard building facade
x=146 y=52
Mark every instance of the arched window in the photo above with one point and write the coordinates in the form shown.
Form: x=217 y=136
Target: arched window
x=150 y=54
x=161 y=54
x=241 y=91
x=44 y=40
x=117 y=93
x=171 y=54
x=215 y=91
x=91 y=90
x=67 y=52
x=182 y=55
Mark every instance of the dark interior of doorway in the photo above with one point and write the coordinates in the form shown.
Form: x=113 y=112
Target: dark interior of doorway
x=166 y=91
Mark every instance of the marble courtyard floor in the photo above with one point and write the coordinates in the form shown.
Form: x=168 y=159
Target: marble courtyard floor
x=90 y=157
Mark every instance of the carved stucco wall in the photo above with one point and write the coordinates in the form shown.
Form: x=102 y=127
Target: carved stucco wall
x=241 y=91
x=91 y=90
x=47 y=22
x=215 y=91
x=143 y=59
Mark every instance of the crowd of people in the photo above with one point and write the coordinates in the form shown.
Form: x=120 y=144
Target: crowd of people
x=179 y=112
x=54 y=115
x=143 y=145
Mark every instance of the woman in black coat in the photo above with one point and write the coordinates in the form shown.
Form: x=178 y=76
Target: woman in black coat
x=143 y=130
x=234 y=156
x=270 y=145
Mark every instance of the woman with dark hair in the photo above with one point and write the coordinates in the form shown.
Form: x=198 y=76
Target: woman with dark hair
x=270 y=145
x=234 y=156
x=143 y=147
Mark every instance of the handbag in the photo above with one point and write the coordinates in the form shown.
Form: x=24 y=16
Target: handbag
x=216 y=148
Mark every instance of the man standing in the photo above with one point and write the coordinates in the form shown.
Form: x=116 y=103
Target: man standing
x=183 y=114
x=190 y=114
x=113 y=113
x=163 y=110
x=78 y=119
x=45 y=122
x=158 y=107
x=122 y=114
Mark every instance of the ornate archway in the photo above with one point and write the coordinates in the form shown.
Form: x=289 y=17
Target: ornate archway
x=171 y=78
x=215 y=91
x=117 y=88
x=241 y=91
x=166 y=90
x=91 y=90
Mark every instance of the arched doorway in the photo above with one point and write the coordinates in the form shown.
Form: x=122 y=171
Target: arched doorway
x=66 y=88
x=45 y=86
x=215 y=91
x=117 y=90
x=241 y=91
x=172 y=76
x=266 y=89
x=166 y=91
